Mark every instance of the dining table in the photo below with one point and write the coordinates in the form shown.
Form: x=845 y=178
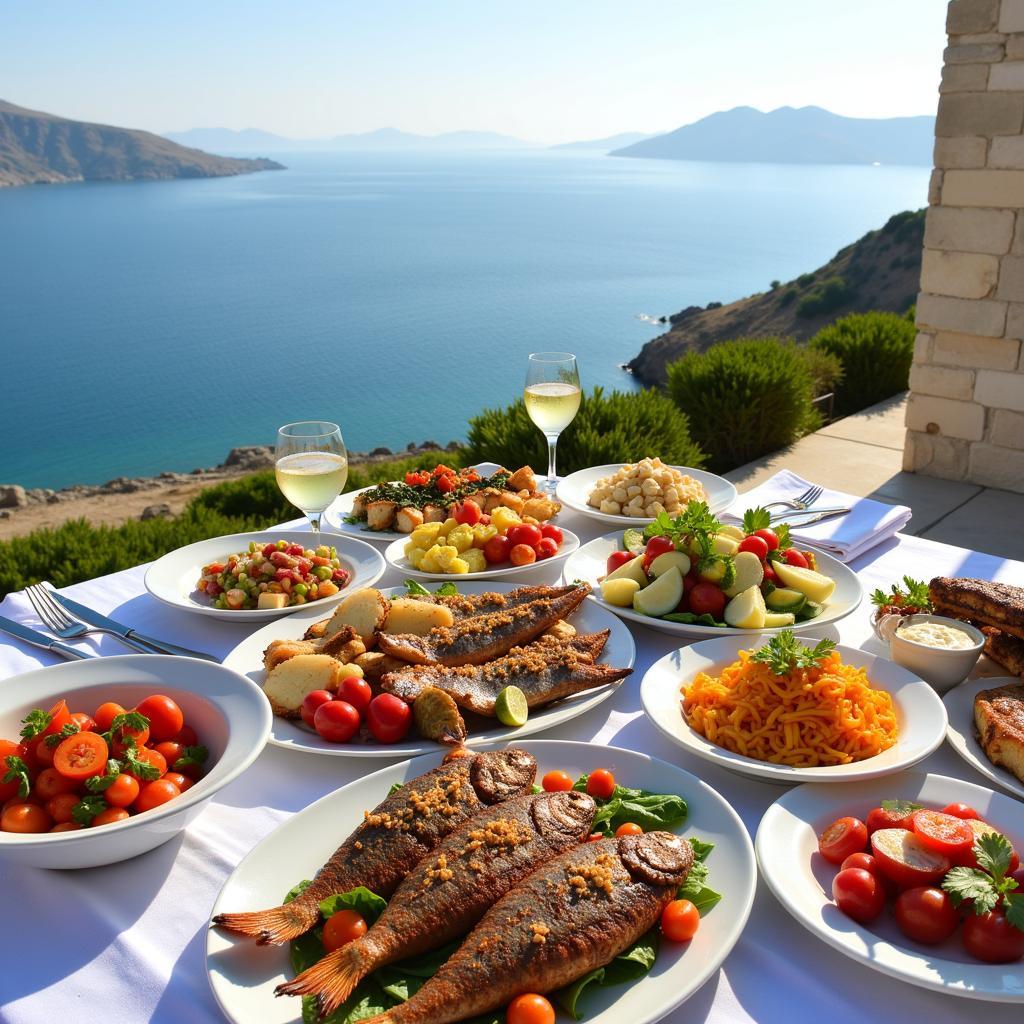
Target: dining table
x=127 y=942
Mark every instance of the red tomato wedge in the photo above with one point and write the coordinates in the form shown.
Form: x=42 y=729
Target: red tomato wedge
x=81 y=756
x=905 y=860
x=980 y=828
x=945 y=834
x=882 y=818
x=842 y=838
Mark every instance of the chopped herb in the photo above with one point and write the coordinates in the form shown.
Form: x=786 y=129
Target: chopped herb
x=130 y=720
x=755 y=519
x=415 y=588
x=192 y=755
x=17 y=771
x=914 y=594
x=87 y=808
x=100 y=783
x=903 y=807
x=34 y=723
x=447 y=590
x=142 y=770
x=784 y=652
x=70 y=728
x=988 y=885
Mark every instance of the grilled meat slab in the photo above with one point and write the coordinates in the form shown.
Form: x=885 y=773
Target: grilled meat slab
x=1005 y=650
x=394 y=836
x=1000 y=605
x=999 y=718
x=576 y=913
x=453 y=887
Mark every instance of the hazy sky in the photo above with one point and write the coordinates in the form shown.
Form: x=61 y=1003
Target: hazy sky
x=545 y=70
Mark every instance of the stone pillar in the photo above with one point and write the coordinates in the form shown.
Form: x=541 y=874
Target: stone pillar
x=965 y=416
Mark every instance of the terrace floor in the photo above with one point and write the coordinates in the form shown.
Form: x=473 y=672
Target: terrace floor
x=863 y=454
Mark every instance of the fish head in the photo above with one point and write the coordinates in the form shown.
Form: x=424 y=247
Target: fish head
x=500 y=774
x=658 y=858
x=560 y=816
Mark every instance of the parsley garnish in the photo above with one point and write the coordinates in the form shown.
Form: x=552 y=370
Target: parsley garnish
x=987 y=884
x=70 y=728
x=34 y=723
x=87 y=808
x=694 y=521
x=903 y=807
x=784 y=652
x=17 y=770
x=130 y=720
x=142 y=770
x=192 y=755
x=755 y=519
x=913 y=592
x=99 y=783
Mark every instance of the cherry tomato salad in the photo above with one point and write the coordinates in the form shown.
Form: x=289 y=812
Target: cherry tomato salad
x=72 y=770
x=942 y=869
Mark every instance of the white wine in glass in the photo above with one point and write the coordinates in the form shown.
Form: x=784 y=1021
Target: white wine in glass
x=311 y=466
x=552 y=396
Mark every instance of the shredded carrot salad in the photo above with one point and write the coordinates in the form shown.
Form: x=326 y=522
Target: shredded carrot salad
x=810 y=717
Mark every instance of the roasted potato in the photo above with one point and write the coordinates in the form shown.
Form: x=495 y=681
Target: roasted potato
x=561 y=630
x=365 y=611
x=280 y=651
x=288 y=683
x=417 y=617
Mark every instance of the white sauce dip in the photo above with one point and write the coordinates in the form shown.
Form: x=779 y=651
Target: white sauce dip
x=936 y=634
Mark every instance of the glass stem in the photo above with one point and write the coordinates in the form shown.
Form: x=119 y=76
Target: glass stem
x=552 y=445
x=314 y=521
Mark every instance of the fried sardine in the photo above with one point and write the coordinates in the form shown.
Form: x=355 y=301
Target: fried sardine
x=1000 y=605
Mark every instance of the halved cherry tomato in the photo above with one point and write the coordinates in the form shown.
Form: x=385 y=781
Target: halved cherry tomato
x=59 y=717
x=990 y=937
x=165 y=717
x=556 y=782
x=467 y=512
x=522 y=554
x=755 y=545
x=960 y=811
x=183 y=782
x=106 y=713
x=8 y=748
x=952 y=837
x=84 y=722
x=679 y=921
x=61 y=806
x=841 y=838
x=980 y=828
x=343 y=927
x=109 y=816
x=496 y=549
x=601 y=784
x=525 y=533
x=546 y=548
x=797 y=558
x=926 y=914
x=530 y=1008
x=81 y=756
x=617 y=559
x=769 y=537
x=356 y=691
x=123 y=791
x=389 y=718
x=552 y=532
x=154 y=794
x=25 y=817
x=879 y=817
x=858 y=894
x=629 y=828
x=904 y=859
x=445 y=484
x=50 y=783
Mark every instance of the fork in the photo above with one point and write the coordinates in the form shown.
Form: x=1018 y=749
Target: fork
x=805 y=500
x=66 y=626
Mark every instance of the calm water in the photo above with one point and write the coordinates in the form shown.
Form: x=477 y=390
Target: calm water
x=152 y=326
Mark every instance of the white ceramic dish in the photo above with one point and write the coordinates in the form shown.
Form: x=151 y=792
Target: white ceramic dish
x=229 y=714
x=574 y=489
x=589 y=564
x=247 y=659
x=922 y=718
x=243 y=975
x=787 y=844
x=172 y=579
x=962 y=736
x=942 y=667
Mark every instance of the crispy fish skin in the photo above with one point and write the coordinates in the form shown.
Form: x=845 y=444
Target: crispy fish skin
x=545 y=671
x=1000 y=605
x=1005 y=650
x=394 y=836
x=453 y=887
x=483 y=638
x=576 y=913
x=437 y=717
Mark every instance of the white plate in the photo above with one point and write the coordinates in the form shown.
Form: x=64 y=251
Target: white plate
x=243 y=975
x=574 y=489
x=921 y=715
x=787 y=845
x=394 y=553
x=961 y=734
x=589 y=564
x=172 y=579
x=247 y=659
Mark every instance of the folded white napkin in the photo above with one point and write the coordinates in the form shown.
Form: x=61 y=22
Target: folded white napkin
x=868 y=523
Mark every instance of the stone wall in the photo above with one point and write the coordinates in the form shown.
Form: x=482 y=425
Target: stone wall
x=965 y=416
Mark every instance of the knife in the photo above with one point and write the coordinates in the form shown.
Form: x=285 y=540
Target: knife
x=96 y=619
x=817 y=515
x=37 y=639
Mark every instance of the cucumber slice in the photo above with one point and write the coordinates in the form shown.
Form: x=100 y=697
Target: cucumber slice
x=785 y=599
x=774 y=619
x=633 y=540
x=662 y=596
x=811 y=610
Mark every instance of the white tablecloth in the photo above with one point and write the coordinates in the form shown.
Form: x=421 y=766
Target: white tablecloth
x=126 y=943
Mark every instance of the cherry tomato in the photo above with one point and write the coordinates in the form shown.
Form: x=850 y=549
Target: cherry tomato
x=770 y=575
x=50 y=783
x=456 y=754
x=59 y=717
x=30 y=799
x=926 y=914
x=546 y=548
x=879 y=817
x=336 y=721
x=66 y=826
x=595 y=836
x=980 y=828
x=952 y=837
x=707 y=599
x=530 y=1008
x=657 y=545
x=154 y=794
x=61 y=806
x=106 y=713
x=960 y=811
x=601 y=784
x=8 y=748
x=86 y=723
x=310 y=703
x=556 y=782
x=526 y=533
x=183 y=782
x=793 y=557
x=552 y=532
x=356 y=691
x=690 y=580
x=864 y=861
x=1018 y=876
x=81 y=756
x=343 y=927
x=755 y=545
x=496 y=549
x=445 y=484
x=769 y=537
x=25 y=817
x=617 y=559
x=187 y=736
x=388 y=718
x=40 y=753
x=123 y=791
x=154 y=758
x=905 y=860
x=990 y=937
x=841 y=838
x=858 y=894
x=109 y=816
x=467 y=512
x=165 y=717
x=169 y=750
x=679 y=921
x=120 y=736
x=629 y=828
x=522 y=554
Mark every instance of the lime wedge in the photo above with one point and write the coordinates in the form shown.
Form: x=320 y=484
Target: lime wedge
x=633 y=540
x=511 y=708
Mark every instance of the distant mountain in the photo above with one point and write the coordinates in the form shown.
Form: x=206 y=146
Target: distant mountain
x=608 y=144
x=253 y=139
x=804 y=135
x=38 y=148
x=226 y=140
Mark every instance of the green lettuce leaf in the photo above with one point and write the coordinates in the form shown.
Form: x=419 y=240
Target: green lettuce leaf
x=651 y=811
x=630 y=965
x=369 y=904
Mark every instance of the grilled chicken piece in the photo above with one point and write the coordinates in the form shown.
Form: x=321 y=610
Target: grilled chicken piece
x=437 y=717
x=574 y=914
x=999 y=718
x=452 y=887
x=545 y=671
x=394 y=836
x=1005 y=650
x=999 y=605
x=482 y=638
x=380 y=514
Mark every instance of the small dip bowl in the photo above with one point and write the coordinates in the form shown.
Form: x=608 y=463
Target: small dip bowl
x=942 y=667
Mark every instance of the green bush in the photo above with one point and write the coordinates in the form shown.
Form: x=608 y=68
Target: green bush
x=617 y=427
x=744 y=398
x=825 y=369
x=804 y=280
x=875 y=349
x=826 y=298
x=787 y=296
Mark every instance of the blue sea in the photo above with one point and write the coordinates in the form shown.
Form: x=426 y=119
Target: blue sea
x=152 y=326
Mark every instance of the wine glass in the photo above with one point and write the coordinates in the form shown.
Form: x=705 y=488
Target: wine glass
x=311 y=466
x=552 y=396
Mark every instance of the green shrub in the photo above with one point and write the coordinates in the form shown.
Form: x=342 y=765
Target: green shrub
x=775 y=285
x=826 y=298
x=614 y=427
x=744 y=398
x=787 y=296
x=825 y=369
x=804 y=280
x=875 y=349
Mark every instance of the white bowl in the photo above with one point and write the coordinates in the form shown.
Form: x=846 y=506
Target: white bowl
x=940 y=666
x=229 y=713
x=919 y=711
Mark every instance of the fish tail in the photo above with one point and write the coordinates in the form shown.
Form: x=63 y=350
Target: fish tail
x=332 y=979
x=274 y=926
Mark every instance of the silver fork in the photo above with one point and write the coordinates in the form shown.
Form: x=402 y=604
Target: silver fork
x=805 y=500
x=66 y=626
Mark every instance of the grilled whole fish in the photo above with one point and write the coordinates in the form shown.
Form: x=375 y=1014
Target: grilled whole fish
x=1000 y=605
x=452 y=888
x=545 y=671
x=576 y=913
x=482 y=638
x=394 y=836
